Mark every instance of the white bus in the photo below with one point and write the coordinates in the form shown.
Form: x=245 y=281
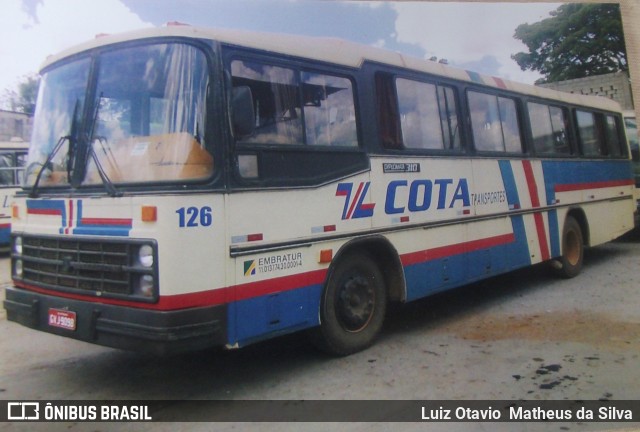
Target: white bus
x=13 y=155
x=188 y=188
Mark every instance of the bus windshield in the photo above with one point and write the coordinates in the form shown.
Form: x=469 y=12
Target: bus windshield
x=144 y=122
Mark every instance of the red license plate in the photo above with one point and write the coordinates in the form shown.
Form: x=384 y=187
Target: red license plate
x=62 y=318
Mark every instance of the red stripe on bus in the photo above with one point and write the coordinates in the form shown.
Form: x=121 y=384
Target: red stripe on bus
x=5 y=225
x=592 y=185
x=181 y=301
x=537 y=217
x=70 y=220
x=500 y=83
x=355 y=201
x=456 y=249
x=204 y=298
x=542 y=236
x=105 y=221
x=531 y=183
x=271 y=286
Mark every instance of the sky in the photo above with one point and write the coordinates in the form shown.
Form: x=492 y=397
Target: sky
x=473 y=36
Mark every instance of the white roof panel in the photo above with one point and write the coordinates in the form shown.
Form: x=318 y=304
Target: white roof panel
x=333 y=50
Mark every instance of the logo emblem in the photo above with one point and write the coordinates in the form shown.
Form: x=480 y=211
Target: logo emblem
x=250 y=268
x=67 y=266
x=354 y=207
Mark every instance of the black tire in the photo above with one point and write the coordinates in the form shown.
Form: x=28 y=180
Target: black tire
x=570 y=263
x=353 y=306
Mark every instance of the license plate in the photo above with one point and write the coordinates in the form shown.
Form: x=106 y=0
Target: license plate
x=62 y=319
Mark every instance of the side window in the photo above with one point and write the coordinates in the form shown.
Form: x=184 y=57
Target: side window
x=6 y=169
x=12 y=168
x=276 y=102
x=387 y=112
x=449 y=117
x=21 y=162
x=590 y=136
x=293 y=108
x=548 y=129
x=614 y=143
x=494 y=121
x=329 y=111
x=428 y=115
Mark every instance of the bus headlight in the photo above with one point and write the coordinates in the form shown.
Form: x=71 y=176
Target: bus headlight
x=17 y=245
x=145 y=256
x=17 y=268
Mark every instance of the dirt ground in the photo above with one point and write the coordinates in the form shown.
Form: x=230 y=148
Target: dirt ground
x=524 y=335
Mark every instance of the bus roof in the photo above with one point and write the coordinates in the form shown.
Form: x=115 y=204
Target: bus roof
x=336 y=51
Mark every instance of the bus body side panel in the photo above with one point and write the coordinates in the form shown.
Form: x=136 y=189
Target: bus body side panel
x=461 y=209
x=277 y=289
x=481 y=217
x=601 y=188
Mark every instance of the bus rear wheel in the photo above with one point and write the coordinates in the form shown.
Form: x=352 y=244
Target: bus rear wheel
x=353 y=306
x=570 y=263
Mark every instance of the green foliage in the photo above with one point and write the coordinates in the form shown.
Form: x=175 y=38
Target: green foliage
x=24 y=100
x=577 y=41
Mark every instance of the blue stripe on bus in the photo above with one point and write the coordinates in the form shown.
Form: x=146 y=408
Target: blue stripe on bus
x=433 y=276
x=267 y=316
x=475 y=77
x=519 y=253
x=509 y=181
x=575 y=172
x=554 y=233
x=558 y=173
x=5 y=235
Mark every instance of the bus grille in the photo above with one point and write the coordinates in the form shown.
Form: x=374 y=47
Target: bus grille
x=83 y=266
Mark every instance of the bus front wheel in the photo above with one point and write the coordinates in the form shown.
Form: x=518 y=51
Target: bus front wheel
x=570 y=263
x=353 y=306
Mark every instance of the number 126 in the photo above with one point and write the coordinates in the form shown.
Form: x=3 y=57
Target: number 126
x=193 y=217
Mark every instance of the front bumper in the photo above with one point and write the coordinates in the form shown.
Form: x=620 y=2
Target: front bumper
x=158 y=332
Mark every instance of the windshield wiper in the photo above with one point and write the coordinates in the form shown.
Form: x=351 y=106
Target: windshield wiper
x=106 y=181
x=71 y=138
x=47 y=162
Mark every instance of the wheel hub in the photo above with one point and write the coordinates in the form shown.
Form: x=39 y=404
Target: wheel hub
x=356 y=303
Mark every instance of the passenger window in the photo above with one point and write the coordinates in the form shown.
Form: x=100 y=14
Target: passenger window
x=548 y=129
x=12 y=168
x=614 y=144
x=494 y=121
x=329 y=111
x=276 y=102
x=449 y=117
x=590 y=137
x=6 y=169
x=316 y=109
x=387 y=112
x=428 y=116
x=419 y=115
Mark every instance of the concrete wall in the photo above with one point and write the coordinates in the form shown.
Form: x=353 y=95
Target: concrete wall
x=616 y=86
x=15 y=125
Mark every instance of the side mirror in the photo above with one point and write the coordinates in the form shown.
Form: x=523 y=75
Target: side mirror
x=242 y=114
